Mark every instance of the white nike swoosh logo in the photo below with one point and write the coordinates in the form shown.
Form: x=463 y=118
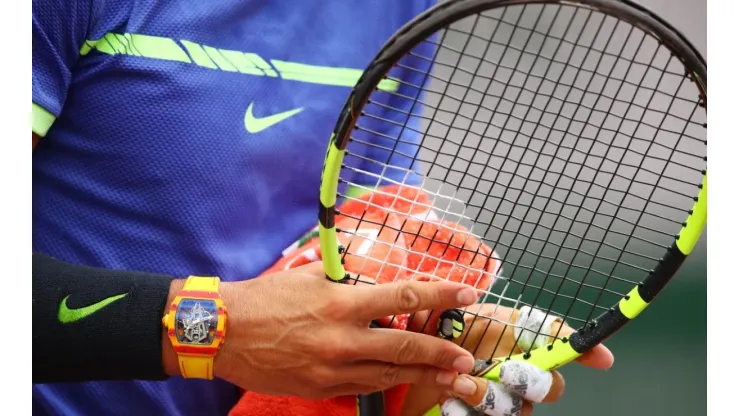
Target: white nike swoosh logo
x=257 y=124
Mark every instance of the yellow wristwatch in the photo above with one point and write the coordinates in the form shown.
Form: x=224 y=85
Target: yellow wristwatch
x=196 y=326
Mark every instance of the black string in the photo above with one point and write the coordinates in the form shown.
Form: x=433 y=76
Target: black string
x=546 y=178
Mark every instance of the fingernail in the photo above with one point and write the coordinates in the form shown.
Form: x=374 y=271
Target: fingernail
x=463 y=364
x=446 y=378
x=464 y=386
x=466 y=296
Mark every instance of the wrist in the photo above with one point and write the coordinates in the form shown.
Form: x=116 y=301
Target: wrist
x=170 y=359
x=221 y=361
x=170 y=363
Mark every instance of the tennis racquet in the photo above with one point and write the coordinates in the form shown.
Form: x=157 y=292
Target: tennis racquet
x=562 y=141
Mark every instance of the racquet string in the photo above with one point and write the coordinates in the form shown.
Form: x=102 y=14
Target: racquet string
x=567 y=141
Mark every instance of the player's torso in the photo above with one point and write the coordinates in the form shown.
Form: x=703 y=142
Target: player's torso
x=191 y=142
x=203 y=120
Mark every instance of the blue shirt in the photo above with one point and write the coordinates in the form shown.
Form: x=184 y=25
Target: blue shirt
x=187 y=137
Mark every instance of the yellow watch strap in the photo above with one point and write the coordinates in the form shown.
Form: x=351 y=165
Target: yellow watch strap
x=196 y=367
x=205 y=284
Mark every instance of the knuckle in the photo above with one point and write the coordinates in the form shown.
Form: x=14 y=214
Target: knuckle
x=424 y=375
x=322 y=350
x=442 y=357
x=408 y=351
x=337 y=307
x=331 y=350
x=330 y=345
x=390 y=375
x=408 y=297
x=323 y=378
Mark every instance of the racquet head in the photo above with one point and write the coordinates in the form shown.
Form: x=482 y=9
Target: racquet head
x=551 y=154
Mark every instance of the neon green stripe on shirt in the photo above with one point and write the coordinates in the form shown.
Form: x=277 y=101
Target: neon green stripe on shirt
x=41 y=119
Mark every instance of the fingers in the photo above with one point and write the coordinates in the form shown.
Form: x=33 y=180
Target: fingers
x=600 y=358
x=457 y=407
x=486 y=331
x=533 y=324
x=375 y=301
x=349 y=389
x=535 y=328
x=425 y=322
x=383 y=376
x=404 y=347
x=530 y=382
x=557 y=389
x=485 y=396
x=521 y=385
x=518 y=377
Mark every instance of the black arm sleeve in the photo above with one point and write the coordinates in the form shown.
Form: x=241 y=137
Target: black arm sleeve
x=96 y=324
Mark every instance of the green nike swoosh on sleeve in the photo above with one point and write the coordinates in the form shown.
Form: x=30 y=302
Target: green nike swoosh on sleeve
x=68 y=315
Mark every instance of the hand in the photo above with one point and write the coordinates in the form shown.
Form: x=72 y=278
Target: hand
x=522 y=384
x=296 y=333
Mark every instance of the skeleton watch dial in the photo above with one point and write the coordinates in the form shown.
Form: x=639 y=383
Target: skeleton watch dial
x=196 y=321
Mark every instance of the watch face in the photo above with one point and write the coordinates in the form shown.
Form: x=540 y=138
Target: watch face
x=196 y=321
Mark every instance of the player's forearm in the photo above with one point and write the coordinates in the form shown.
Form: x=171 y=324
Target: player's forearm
x=96 y=324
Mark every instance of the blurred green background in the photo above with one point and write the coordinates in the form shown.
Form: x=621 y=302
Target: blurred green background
x=660 y=366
